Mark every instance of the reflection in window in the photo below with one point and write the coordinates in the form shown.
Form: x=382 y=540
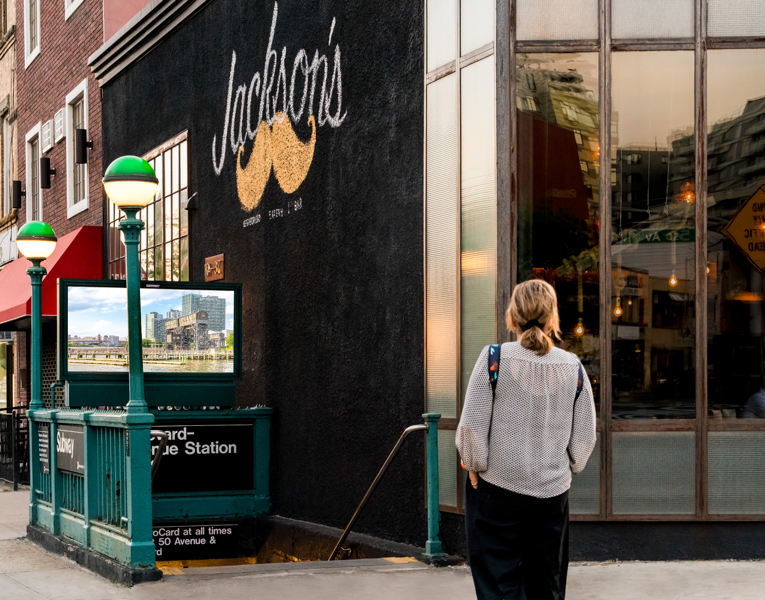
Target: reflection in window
x=653 y=233
x=558 y=199
x=735 y=252
x=164 y=247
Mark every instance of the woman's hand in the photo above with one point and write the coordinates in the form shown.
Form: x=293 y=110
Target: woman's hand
x=473 y=479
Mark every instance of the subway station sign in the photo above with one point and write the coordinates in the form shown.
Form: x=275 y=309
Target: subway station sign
x=747 y=229
x=205 y=457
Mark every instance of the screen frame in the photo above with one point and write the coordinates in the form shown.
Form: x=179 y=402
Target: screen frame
x=62 y=368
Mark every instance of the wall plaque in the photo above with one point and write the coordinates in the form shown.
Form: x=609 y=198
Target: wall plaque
x=214 y=268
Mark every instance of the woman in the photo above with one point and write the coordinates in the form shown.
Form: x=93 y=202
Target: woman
x=520 y=443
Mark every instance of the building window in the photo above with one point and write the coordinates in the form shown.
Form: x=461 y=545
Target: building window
x=70 y=6
x=461 y=201
x=33 y=190
x=678 y=369
x=164 y=247
x=31 y=31
x=77 y=188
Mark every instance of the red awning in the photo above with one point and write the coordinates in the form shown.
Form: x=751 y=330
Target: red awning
x=78 y=255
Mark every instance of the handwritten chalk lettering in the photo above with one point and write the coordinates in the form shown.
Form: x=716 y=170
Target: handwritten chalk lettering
x=294 y=205
x=252 y=221
x=276 y=213
x=272 y=88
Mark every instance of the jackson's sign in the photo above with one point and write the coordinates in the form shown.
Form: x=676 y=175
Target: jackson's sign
x=264 y=109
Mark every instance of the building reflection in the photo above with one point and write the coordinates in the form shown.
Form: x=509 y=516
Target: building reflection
x=558 y=190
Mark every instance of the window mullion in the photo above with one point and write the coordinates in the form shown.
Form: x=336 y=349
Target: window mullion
x=700 y=112
x=605 y=252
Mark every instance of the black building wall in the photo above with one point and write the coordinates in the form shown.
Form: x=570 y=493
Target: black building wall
x=332 y=272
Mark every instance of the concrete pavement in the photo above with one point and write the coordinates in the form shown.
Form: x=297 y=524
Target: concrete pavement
x=27 y=572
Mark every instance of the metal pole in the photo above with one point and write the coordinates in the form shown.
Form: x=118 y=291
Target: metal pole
x=433 y=549
x=36 y=273
x=131 y=228
x=371 y=489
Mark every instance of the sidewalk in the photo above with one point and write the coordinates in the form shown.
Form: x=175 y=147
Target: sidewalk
x=27 y=572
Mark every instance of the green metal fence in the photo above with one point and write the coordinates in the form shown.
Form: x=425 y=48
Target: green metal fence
x=107 y=507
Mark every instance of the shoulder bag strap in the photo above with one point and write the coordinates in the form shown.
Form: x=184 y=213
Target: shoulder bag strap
x=494 y=351
x=579 y=383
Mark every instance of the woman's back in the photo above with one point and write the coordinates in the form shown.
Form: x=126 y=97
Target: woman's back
x=538 y=434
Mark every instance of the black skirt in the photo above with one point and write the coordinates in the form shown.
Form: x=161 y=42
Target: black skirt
x=518 y=545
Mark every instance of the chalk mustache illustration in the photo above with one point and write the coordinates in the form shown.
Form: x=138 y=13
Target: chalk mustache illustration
x=276 y=147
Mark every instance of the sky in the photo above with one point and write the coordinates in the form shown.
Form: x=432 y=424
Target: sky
x=102 y=310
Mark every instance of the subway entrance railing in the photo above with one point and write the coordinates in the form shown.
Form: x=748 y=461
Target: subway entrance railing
x=92 y=483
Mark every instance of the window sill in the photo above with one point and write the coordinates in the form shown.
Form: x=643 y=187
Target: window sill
x=31 y=56
x=75 y=209
x=69 y=10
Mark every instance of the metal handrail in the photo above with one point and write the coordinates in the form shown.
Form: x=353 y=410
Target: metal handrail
x=372 y=487
x=160 y=451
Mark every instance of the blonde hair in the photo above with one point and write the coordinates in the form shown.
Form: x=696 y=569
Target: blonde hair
x=534 y=300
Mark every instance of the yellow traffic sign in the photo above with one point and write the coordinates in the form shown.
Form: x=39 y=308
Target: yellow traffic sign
x=747 y=229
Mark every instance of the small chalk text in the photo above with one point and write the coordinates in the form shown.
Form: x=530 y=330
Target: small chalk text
x=291 y=206
x=252 y=221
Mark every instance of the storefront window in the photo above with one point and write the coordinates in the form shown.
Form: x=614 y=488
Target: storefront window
x=558 y=199
x=164 y=247
x=736 y=234
x=653 y=236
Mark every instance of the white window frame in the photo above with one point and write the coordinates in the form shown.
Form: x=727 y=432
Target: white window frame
x=31 y=53
x=78 y=93
x=7 y=201
x=29 y=138
x=70 y=7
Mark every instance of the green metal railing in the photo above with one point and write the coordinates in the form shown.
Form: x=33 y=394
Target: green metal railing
x=107 y=508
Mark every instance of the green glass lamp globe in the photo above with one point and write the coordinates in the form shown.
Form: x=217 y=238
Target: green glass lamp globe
x=130 y=182
x=36 y=240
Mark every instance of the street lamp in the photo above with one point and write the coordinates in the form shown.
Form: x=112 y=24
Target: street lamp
x=36 y=241
x=131 y=183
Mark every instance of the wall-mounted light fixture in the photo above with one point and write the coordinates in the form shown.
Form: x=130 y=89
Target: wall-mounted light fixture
x=17 y=194
x=81 y=145
x=45 y=172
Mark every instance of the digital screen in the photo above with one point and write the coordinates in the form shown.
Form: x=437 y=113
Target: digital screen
x=182 y=330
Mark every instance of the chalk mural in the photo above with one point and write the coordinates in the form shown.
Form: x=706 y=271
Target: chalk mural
x=275 y=144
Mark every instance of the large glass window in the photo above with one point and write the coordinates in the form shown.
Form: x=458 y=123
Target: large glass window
x=164 y=247
x=460 y=213
x=653 y=232
x=558 y=198
x=736 y=234
x=620 y=247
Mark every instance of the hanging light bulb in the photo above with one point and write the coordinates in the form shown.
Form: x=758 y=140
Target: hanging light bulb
x=579 y=328
x=673 y=280
x=618 y=310
x=629 y=301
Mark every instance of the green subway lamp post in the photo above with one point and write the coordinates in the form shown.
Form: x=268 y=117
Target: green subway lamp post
x=36 y=242
x=131 y=183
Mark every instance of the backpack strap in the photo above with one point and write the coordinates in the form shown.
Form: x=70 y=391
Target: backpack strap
x=494 y=351
x=579 y=383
